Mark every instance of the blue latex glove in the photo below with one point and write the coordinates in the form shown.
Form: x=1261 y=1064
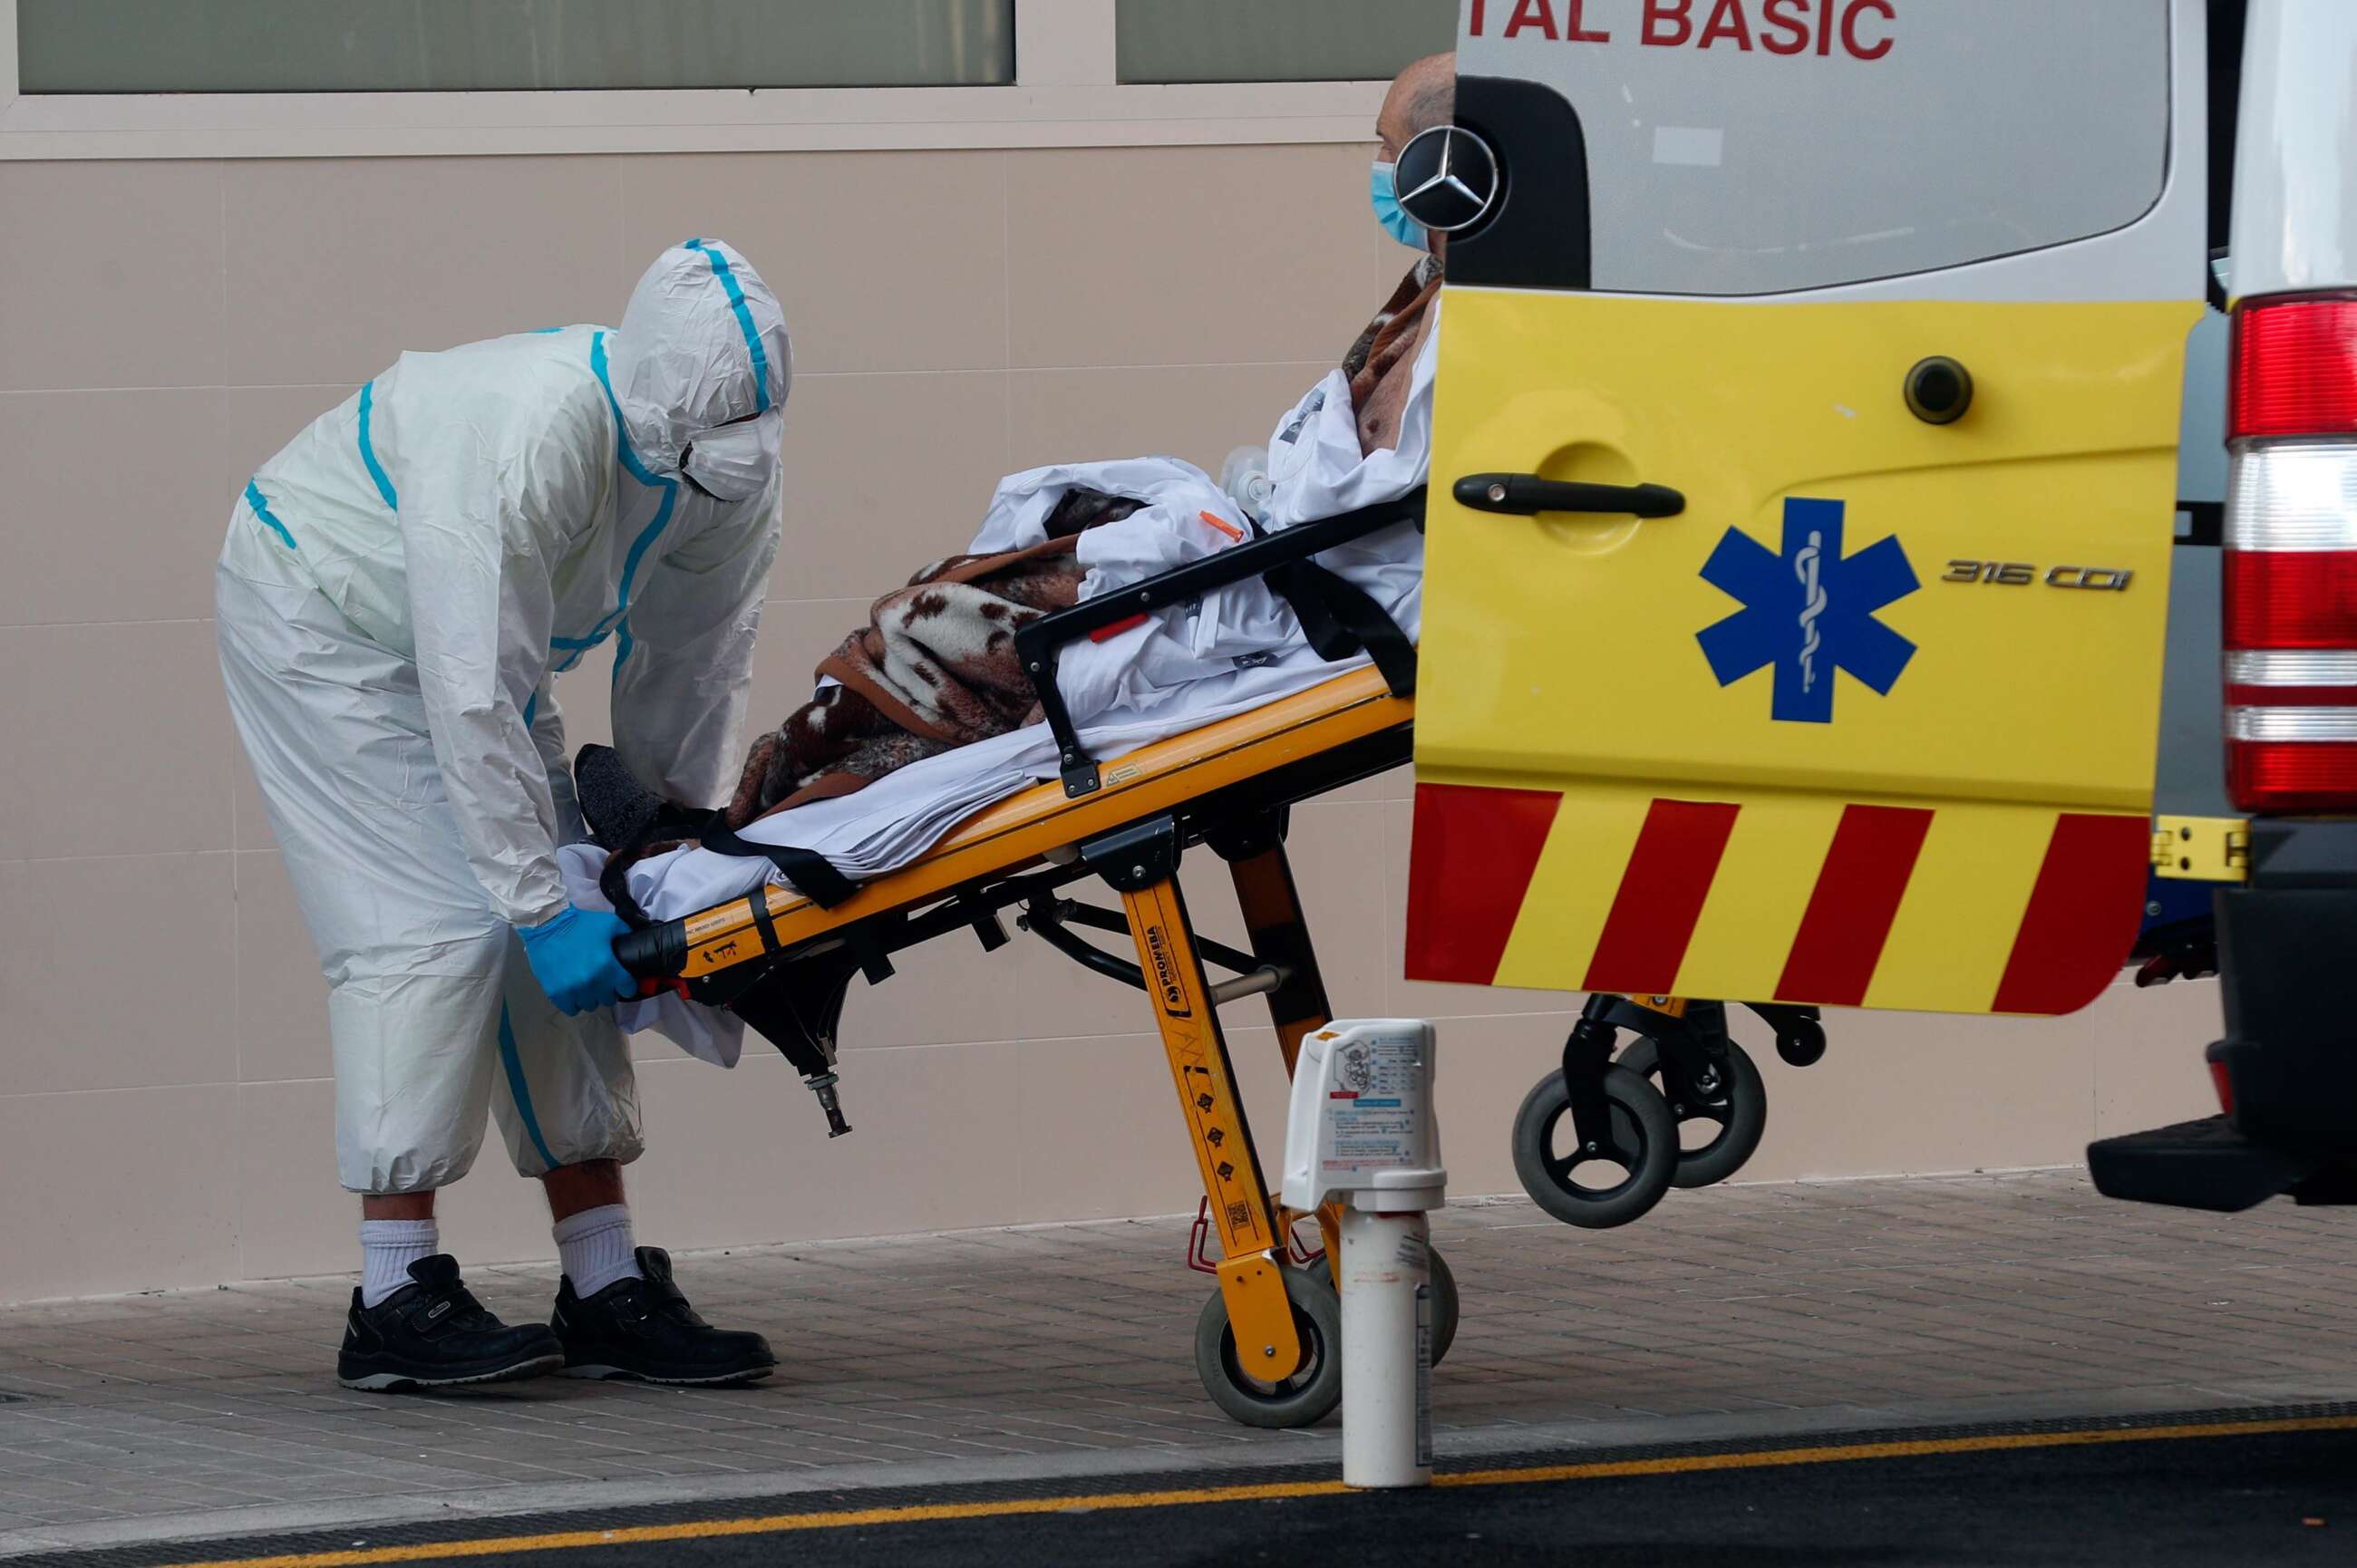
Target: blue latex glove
x=573 y=958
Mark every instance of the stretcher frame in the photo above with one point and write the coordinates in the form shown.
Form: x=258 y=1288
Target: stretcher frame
x=1226 y=785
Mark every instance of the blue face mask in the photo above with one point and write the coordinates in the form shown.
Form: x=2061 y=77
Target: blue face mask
x=1382 y=188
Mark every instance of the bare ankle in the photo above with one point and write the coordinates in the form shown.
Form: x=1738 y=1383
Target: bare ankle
x=397 y=1206
x=572 y=1189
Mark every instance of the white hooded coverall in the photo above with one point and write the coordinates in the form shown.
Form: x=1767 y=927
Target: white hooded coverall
x=397 y=589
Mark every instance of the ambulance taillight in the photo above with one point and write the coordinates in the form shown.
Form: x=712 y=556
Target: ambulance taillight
x=2291 y=557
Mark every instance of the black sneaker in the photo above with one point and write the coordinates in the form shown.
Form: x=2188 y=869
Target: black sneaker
x=433 y=1333
x=645 y=1329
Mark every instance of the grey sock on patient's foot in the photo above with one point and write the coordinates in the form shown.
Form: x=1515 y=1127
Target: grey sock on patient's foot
x=617 y=809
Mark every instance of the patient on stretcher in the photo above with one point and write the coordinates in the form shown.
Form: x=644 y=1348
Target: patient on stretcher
x=923 y=715
x=934 y=667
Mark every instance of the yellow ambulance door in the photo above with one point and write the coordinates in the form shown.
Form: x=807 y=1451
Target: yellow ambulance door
x=1802 y=497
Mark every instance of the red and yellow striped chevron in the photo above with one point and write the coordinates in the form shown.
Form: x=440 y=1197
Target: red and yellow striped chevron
x=1975 y=907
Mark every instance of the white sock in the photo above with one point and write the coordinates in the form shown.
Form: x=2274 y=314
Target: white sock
x=595 y=1249
x=387 y=1249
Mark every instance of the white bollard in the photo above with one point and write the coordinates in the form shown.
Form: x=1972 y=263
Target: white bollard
x=1360 y=1130
x=1386 y=1349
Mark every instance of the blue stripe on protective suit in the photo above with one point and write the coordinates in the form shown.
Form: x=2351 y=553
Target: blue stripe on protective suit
x=368 y=448
x=619 y=619
x=262 y=510
x=521 y=1090
x=574 y=648
x=720 y=269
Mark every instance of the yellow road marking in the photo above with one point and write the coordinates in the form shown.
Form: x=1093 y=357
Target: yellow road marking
x=2080 y=1437
x=920 y=1513
x=707 y=1530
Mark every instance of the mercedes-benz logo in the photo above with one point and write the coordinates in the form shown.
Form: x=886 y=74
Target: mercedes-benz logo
x=1447 y=178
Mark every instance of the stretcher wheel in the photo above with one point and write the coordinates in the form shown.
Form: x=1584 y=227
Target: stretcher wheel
x=1803 y=1044
x=1444 y=1305
x=1735 y=1105
x=1313 y=1390
x=1642 y=1150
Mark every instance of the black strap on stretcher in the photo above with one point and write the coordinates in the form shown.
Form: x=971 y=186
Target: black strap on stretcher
x=1338 y=618
x=809 y=873
x=814 y=876
x=624 y=817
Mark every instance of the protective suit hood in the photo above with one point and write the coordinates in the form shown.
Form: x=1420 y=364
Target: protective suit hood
x=702 y=343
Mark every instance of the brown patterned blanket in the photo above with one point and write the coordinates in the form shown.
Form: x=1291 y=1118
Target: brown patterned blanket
x=933 y=668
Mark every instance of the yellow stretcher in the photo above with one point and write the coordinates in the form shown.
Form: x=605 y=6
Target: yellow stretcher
x=1269 y=1341
x=1267 y=1344
x=1225 y=785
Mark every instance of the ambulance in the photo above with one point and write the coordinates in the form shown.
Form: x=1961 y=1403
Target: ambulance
x=1852 y=416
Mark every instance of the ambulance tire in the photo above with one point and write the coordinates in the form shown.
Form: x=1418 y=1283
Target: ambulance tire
x=1304 y=1399
x=1644 y=1132
x=1739 y=1112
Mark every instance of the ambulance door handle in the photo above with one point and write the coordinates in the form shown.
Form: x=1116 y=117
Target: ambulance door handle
x=1525 y=495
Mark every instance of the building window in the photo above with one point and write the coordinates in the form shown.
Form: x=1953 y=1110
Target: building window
x=1278 y=40
x=479 y=46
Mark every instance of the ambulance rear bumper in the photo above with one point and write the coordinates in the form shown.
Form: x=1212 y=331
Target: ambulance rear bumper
x=2286 y=1069
x=2194 y=1164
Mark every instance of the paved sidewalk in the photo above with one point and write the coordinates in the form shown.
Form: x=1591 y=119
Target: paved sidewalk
x=1065 y=1351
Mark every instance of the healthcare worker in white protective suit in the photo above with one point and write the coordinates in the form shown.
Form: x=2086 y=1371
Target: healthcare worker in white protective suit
x=397 y=589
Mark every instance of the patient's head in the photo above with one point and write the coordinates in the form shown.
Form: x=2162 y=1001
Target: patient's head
x=1422 y=96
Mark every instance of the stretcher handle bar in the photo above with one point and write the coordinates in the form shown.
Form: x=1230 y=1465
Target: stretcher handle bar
x=1526 y=495
x=659 y=952
x=1036 y=645
x=656 y=952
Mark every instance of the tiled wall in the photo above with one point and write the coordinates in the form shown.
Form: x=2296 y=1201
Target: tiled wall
x=164 y=326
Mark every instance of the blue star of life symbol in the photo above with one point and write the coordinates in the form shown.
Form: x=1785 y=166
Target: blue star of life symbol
x=1808 y=611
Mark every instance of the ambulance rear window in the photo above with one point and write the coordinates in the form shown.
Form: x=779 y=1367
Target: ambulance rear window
x=1758 y=147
